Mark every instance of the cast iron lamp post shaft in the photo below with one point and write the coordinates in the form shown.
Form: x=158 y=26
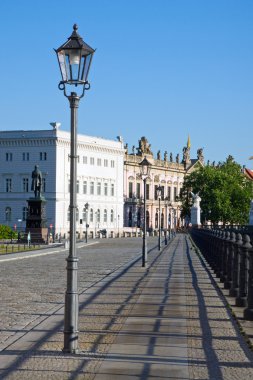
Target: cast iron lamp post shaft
x=144 y=245
x=159 y=224
x=71 y=296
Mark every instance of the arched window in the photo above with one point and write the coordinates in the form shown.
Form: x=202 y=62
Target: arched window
x=112 y=216
x=130 y=216
x=162 y=220
x=84 y=215
x=8 y=214
x=156 y=220
x=139 y=218
x=24 y=213
x=147 y=219
x=105 y=216
x=98 y=215
x=91 y=215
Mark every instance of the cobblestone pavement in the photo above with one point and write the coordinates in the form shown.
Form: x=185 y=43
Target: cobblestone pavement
x=32 y=292
x=216 y=349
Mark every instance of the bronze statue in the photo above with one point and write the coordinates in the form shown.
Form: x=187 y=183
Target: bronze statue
x=36 y=181
x=159 y=155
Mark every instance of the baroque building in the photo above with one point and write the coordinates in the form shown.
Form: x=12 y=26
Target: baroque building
x=99 y=178
x=167 y=172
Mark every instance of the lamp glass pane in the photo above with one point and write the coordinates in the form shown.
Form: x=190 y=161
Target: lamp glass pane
x=62 y=63
x=86 y=67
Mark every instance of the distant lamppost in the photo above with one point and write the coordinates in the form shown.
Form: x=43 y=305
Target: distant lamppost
x=159 y=195
x=145 y=167
x=74 y=58
x=166 y=201
x=86 y=206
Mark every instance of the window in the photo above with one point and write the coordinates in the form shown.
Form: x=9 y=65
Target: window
x=112 y=163
x=99 y=162
x=24 y=213
x=147 y=191
x=105 y=163
x=112 y=216
x=84 y=215
x=92 y=188
x=156 y=186
x=78 y=159
x=99 y=188
x=43 y=185
x=162 y=195
x=85 y=160
x=43 y=156
x=85 y=187
x=68 y=216
x=8 y=183
x=112 y=189
x=98 y=215
x=175 y=193
x=91 y=215
x=77 y=214
x=105 y=216
x=25 y=185
x=8 y=157
x=106 y=189
x=77 y=187
x=92 y=160
x=26 y=157
x=8 y=214
x=169 y=193
x=130 y=189
x=138 y=190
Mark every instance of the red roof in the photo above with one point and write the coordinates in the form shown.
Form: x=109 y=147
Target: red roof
x=249 y=173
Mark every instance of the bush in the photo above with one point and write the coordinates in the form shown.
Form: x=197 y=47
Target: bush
x=6 y=232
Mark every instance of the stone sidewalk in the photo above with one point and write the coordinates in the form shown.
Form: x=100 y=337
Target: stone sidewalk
x=166 y=322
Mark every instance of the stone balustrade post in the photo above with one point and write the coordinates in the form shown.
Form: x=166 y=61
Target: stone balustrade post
x=241 y=300
x=230 y=257
x=234 y=290
x=248 y=312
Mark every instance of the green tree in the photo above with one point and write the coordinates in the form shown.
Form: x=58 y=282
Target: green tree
x=224 y=190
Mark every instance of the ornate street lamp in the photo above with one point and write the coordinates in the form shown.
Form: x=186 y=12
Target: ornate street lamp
x=74 y=58
x=145 y=167
x=159 y=195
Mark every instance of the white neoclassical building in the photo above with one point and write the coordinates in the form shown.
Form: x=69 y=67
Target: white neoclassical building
x=99 y=178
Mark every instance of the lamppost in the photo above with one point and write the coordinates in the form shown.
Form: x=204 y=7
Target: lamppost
x=86 y=206
x=159 y=194
x=145 y=167
x=166 y=226
x=74 y=58
x=118 y=225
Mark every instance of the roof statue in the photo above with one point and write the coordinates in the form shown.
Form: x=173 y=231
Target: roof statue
x=165 y=155
x=159 y=155
x=144 y=146
x=200 y=155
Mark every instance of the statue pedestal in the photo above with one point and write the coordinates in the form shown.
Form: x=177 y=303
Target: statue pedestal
x=36 y=221
x=195 y=216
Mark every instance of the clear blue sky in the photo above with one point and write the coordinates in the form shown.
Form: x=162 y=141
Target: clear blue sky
x=163 y=69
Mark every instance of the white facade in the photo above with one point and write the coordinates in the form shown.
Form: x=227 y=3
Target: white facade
x=99 y=178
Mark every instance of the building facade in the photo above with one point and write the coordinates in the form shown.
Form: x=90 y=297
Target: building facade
x=99 y=179
x=166 y=172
